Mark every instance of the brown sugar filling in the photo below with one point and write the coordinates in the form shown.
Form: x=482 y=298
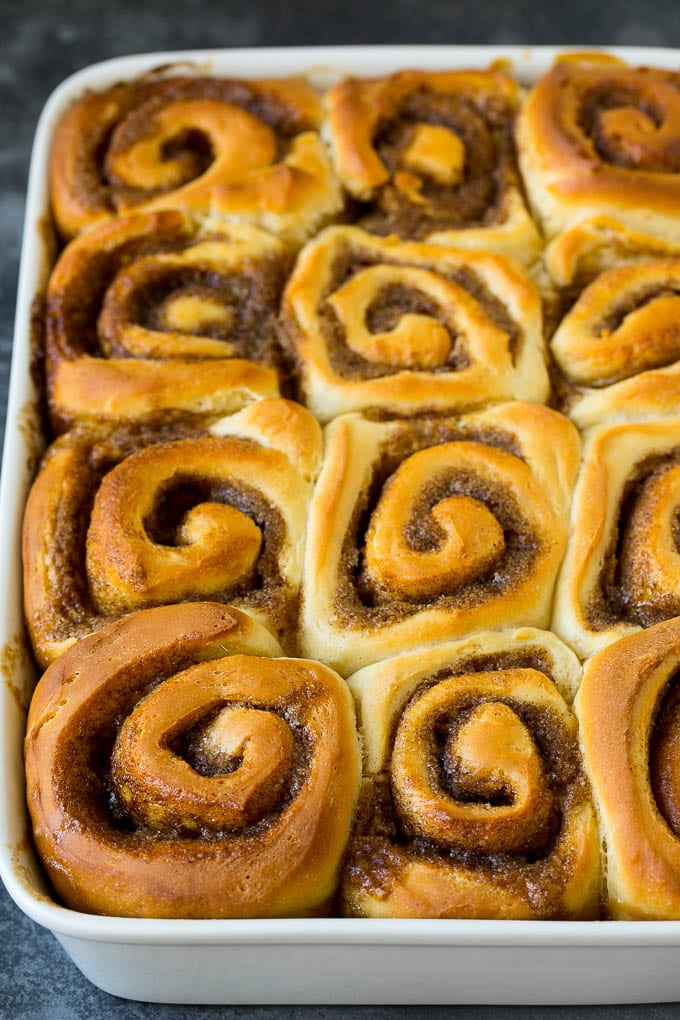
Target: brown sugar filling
x=82 y=768
x=74 y=614
x=356 y=601
x=485 y=128
x=139 y=101
x=609 y=95
x=380 y=850
x=610 y=602
x=250 y=295
x=394 y=302
x=664 y=747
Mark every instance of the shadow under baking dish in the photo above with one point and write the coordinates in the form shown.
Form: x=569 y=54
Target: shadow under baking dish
x=315 y=961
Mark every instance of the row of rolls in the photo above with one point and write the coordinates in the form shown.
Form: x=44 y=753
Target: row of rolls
x=210 y=260
x=339 y=611
x=197 y=602
x=179 y=766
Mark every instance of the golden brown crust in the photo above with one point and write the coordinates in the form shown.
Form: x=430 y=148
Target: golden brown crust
x=619 y=345
x=220 y=783
x=160 y=313
x=406 y=328
x=598 y=138
x=403 y=541
x=247 y=150
x=431 y=155
x=619 y=572
x=628 y=713
x=579 y=254
x=488 y=814
x=114 y=524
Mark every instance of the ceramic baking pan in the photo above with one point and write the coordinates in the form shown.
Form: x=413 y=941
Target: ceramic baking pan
x=282 y=961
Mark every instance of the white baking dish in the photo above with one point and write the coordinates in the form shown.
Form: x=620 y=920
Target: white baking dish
x=283 y=961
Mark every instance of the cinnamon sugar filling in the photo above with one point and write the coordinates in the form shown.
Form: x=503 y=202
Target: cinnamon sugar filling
x=485 y=129
x=391 y=304
x=357 y=600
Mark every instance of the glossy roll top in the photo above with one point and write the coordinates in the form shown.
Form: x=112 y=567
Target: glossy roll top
x=123 y=522
x=175 y=768
x=430 y=156
x=407 y=328
x=162 y=314
x=474 y=801
x=598 y=149
x=619 y=345
x=248 y=150
x=427 y=528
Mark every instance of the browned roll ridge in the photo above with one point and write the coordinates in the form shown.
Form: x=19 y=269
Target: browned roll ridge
x=619 y=345
x=174 y=772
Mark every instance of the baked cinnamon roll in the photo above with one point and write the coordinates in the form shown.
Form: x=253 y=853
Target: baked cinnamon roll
x=621 y=566
x=619 y=345
x=629 y=714
x=430 y=156
x=160 y=314
x=474 y=800
x=246 y=150
x=599 y=149
x=176 y=769
x=405 y=328
x=426 y=529
x=120 y=522
x=592 y=246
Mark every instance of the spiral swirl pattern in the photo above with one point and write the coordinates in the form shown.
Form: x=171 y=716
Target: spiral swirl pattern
x=425 y=529
x=248 y=150
x=472 y=757
x=598 y=138
x=404 y=328
x=156 y=314
x=628 y=710
x=430 y=156
x=114 y=525
x=621 y=567
x=221 y=782
x=619 y=346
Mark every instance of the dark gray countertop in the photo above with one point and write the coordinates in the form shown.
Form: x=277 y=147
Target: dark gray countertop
x=45 y=41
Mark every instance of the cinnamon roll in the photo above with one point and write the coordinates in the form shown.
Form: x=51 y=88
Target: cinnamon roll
x=592 y=246
x=406 y=328
x=176 y=769
x=120 y=522
x=160 y=314
x=430 y=156
x=432 y=528
x=619 y=346
x=474 y=800
x=621 y=566
x=246 y=150
x=599 y=149
x=629 y=713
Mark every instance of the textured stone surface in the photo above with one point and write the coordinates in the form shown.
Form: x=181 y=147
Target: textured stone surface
x=45 y=41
